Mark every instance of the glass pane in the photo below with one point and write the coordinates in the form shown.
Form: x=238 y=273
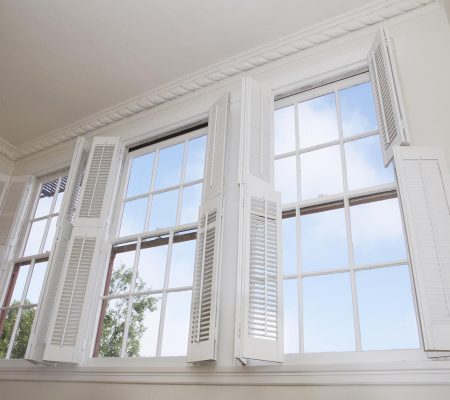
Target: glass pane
x=290 y=304
x=50 y=235
x=324 y=240
x=6 y=333
x=113 y=328
x=192 y=197
x=182 y=264
x=143 y=328
x=164 y=210
x=46 y=198
x=284 y=120
x=19 y=285
x=60 y=196
x=386 y=309
x=37 y=279
x=133 y=218
x=286 y=179
x=176 y=324
x=289 y=246
x=140 y=175
x=122 y=272
x=151 y=268
x=23 y=333
x=321 y=172
x=357 y=109
x=318 y=121
x=196 y=159
x=328 y=313
x=35 y=238
x=365 y=166
x=169 y=166
x=377 y=232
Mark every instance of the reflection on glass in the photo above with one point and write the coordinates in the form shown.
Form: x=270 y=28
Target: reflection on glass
x=284 y=132
x=182 y=264
x=113 y=328
x=365 y=166
x=46 y=198
x=164 y=210
x=192 y=197
x=290 y=304
x=328 y=313
x=286 y=179
x=324 y=240
x=151 y=268
x=357 y=109
x=386 y=309
x=176 y=324
x=8 y=327
x=377 y=232
x=133 y=217
x=195 y=159
x=318 y=121
x=140 y=175
x=122 y=272
x=321 y=172
x=35 y=238
x=168 y=170
x=50 y=235
x=23 y=333
x=37 y=279
x=289 y=246
x=60 y=196
x=20 y=284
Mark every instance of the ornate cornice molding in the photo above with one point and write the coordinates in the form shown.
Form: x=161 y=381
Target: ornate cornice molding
x=7 y=149
x=374 y=13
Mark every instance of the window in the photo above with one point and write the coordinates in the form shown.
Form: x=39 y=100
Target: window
x=147 y=297
x=29 y=271
x=347 y=283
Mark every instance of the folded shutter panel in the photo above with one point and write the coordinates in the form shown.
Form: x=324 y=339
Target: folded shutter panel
x=90 y=227
x=204 y=307
x=64 y=229
x=386 y=89
x=4 y=180
x=424 y=185
x=259 y=307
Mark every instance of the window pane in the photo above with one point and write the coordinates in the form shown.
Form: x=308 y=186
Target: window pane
x=318 y=121
x=182 y=264
x=328 y=313
x=290 y=304
x=284 y=120
x=192 y=197
x=23 y=333
x=50 y=235
x=357 y=109
x=386 y=309
x=133 y=218
x=122 y=272
x=113 y=327
x=151 y=268
x=164 y=210
x=169 y=166
x=321 y=172
x=377 y=232
x=140 y=175
x=6 y=333
x=37 y=279
x=46 y=198
x=196 y=159
x=35 y=238
x=176 y=324
x=286 y=179
x=19 y=285
x=143 y=327
x=289 y=246
x=324 y=240
x=365 y=166
x=60 y=196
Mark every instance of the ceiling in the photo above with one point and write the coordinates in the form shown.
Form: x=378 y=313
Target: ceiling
x=61 y=61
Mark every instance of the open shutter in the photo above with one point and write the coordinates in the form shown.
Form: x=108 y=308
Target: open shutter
x=388 y=99
x=66 y=338
x=204 y=307
x=259 y=307
x=424 y=184
x=37 y=341
x=4 y=180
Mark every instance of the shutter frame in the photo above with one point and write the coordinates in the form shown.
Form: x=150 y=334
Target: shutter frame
x=424 y=191
x=205 y=313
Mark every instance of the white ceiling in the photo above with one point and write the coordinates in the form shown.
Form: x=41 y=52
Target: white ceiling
x=61 y=61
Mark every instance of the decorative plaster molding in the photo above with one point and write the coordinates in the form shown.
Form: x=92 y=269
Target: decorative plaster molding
x=374 y=13
x=7 y=149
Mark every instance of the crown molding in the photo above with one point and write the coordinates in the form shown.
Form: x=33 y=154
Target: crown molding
x=7 y=149
x=374 y=13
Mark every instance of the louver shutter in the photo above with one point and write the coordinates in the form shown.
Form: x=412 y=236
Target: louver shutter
x=4 y=179
x=259 y=308
x=388 y=100
x=424 y=184
x=65 y=340
x=204 y=308
x=37 y=341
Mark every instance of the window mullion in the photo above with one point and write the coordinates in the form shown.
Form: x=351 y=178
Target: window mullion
x=180 y=186
x=152 y=185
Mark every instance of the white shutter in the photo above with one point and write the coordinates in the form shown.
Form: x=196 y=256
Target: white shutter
x=386 y=89
x=259 y=304
x=37 y=341
x=4 y=180
x=424 y=185
x=66 y=337
x=204 y=307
